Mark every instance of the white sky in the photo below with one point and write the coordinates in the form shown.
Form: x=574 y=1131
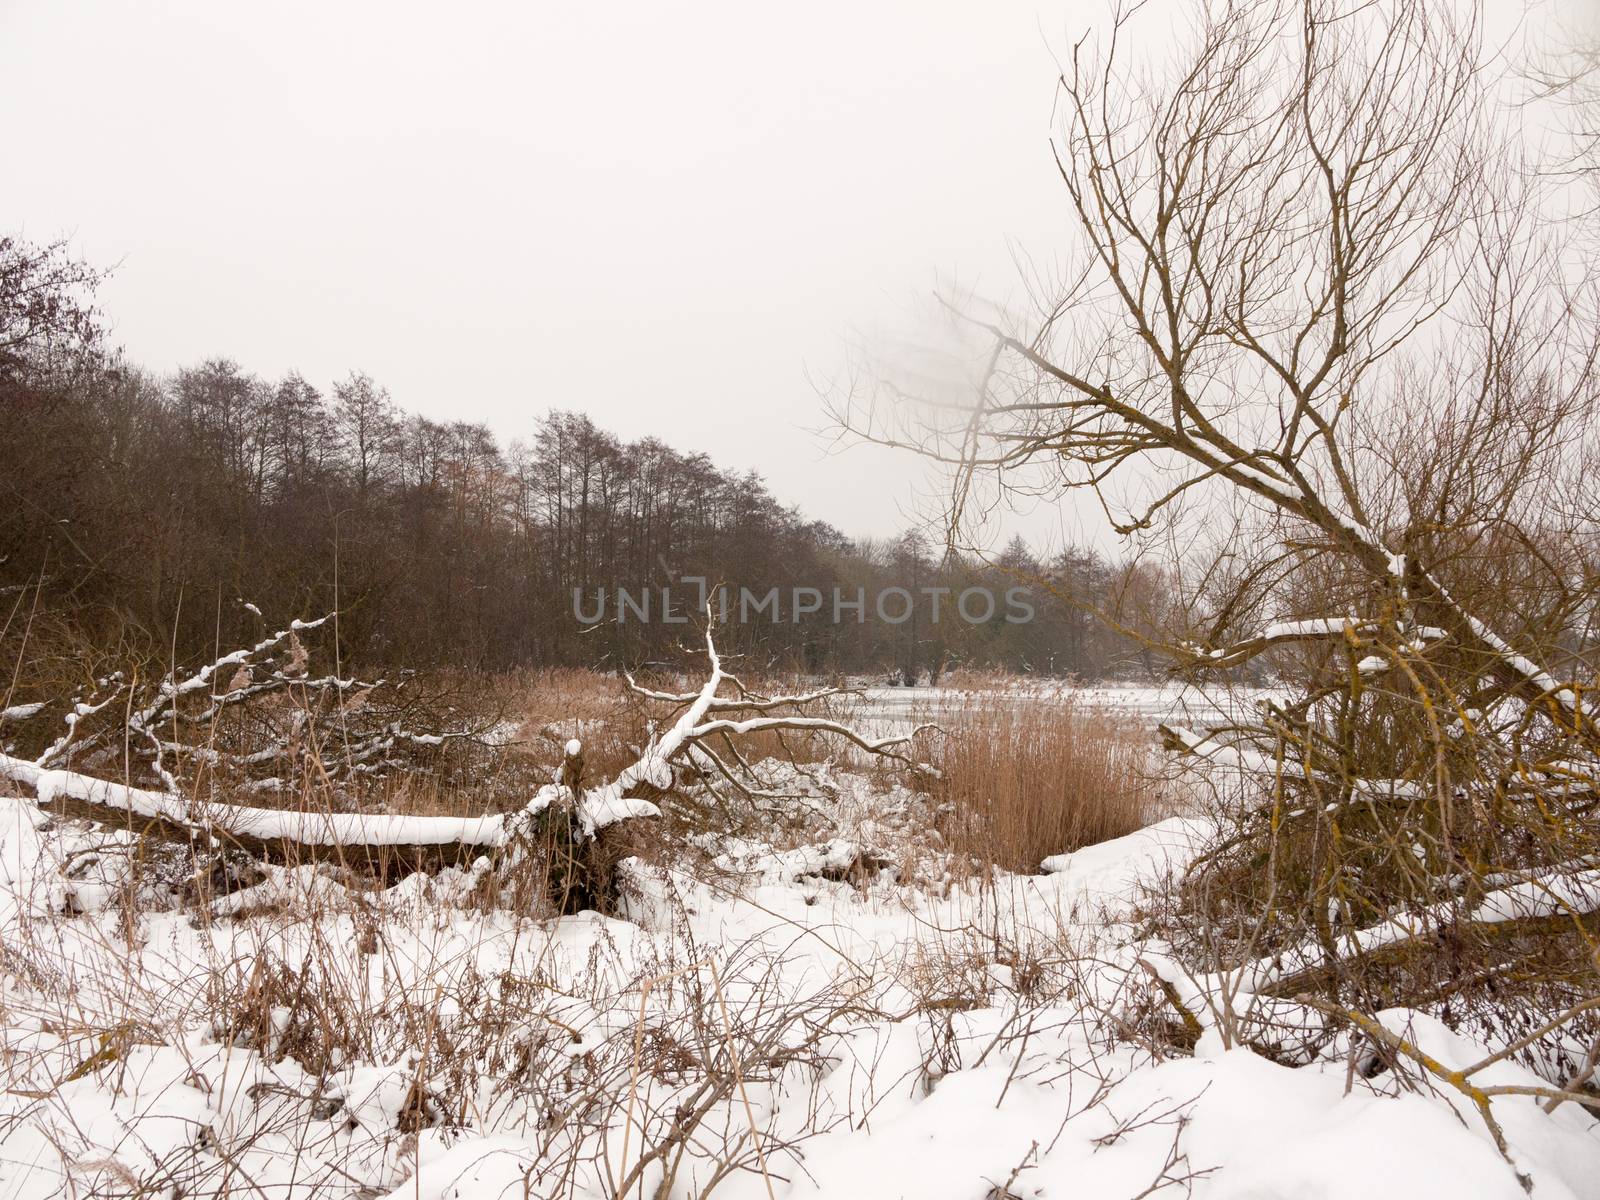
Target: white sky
x=669 y=216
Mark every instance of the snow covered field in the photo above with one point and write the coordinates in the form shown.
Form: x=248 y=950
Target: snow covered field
x=756 y=1027
x=1173 y=702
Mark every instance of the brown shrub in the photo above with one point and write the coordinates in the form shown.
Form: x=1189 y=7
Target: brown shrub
x=1025 y=779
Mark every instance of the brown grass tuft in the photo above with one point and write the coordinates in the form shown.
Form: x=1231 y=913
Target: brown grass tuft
x=1027 y=779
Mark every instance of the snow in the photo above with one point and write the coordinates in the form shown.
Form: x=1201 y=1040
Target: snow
x=1322 y=627
x=1115 y=868
x=486 y=1166
x=922 y=1039
x=307 y=828
x=1246 y=1128
x=897 y=710
x=607 y=805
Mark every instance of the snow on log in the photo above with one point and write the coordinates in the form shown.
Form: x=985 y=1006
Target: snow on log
x=238 y=822
x=278 y=830
x=1280 y=633
x=1555 y=895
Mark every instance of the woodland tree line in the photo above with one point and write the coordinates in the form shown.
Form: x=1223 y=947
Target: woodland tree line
x=149 y=508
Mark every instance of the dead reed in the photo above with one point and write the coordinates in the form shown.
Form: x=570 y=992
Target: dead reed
x=1027 y=778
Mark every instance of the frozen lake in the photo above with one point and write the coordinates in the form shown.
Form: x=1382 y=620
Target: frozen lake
x=889 y=707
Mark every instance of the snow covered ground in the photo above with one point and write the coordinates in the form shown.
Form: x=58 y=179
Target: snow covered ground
x=894 y=707
x=756 y=1027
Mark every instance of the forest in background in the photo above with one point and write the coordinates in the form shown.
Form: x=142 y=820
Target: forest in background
x=147 y=510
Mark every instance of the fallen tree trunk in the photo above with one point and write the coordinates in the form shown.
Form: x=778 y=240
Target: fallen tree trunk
x=104 y=799
x=563 y=811
x=384 y=844
x=1555 y=899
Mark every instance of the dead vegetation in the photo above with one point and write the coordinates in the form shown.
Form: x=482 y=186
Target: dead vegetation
x=371 y=1026
x=1327 y=354
x=261 y=732
x=663 y=1072
x=1022 y=779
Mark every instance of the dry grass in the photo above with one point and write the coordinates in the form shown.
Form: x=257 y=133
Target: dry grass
x=555 y=705
x=995 y=679
x=351 y=1026
x=1026 y=777
x=1025 y=780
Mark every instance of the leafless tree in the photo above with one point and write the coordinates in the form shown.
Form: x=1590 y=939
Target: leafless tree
x=46 y=305
x=1324 y=333
x=367 y=427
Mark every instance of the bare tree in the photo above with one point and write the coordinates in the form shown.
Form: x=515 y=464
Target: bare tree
x=366 y=425
x=46 y=308
x=1324 y=335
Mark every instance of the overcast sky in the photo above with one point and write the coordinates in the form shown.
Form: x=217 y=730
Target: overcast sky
x=669 y=216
